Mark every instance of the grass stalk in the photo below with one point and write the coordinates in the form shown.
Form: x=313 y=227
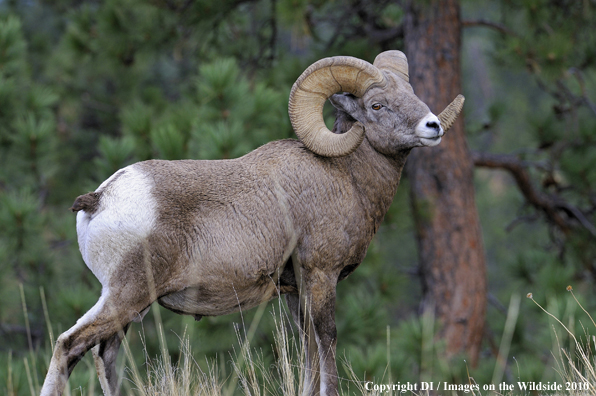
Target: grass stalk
x=29 y=377
x=510 y=322
x=132 y=369
x=9 y=385
x=46 y=316
x=570 y=290
x=245 y=356
x=588 y=376
x=428 y=340
x=34 y=379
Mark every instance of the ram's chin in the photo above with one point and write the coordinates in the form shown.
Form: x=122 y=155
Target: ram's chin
x=430 y=142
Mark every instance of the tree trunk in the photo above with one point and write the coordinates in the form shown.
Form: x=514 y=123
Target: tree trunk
x=449 y=237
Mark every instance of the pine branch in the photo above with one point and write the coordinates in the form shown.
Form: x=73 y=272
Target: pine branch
x=486 y=23
x=367 y=26
x=560 y=212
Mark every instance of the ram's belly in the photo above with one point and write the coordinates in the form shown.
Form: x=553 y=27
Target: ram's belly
x=209 y=299
x=229 y=273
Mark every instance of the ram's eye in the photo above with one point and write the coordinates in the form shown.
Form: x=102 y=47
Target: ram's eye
x=377 y=106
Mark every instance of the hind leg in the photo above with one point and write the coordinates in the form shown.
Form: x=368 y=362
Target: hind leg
x=104 y=355
x=101 y=324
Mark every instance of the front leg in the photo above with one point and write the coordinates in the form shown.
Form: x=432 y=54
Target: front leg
x=311 y=379
x=317 y=300
x=319 y=288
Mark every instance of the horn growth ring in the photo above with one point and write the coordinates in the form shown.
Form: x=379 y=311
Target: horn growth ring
x=448 y=116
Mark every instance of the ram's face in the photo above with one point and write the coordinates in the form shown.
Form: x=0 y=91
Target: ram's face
x=394 y=118
x=379 y=97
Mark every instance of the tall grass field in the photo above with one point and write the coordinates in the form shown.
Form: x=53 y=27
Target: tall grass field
x=244 y=370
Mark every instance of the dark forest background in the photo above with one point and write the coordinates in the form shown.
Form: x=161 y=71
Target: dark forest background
x=88 y=87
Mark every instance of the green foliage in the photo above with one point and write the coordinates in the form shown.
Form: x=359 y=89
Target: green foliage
x=115 y=153
x=91 y=87
x=14 y=47
x=550 y=35
x=20 y=218
x=228 y=109
x=554 y=43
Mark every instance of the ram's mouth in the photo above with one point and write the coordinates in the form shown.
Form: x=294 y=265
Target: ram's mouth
x=429 y=142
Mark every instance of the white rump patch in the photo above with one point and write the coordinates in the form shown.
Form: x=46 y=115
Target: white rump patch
x=125 y=216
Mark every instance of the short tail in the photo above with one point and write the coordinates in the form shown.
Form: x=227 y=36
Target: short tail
x=88 y=202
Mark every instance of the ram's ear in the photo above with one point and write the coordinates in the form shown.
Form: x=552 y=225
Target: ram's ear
x=347 y=103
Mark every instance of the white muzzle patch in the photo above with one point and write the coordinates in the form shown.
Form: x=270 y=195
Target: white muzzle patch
x=429 y=130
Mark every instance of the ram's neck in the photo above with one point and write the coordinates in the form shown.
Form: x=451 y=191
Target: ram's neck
x=376 y=177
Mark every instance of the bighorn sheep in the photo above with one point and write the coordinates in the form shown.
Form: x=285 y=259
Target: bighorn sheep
x=291 y=217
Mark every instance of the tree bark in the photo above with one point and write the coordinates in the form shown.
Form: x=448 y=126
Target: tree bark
x=451 y=252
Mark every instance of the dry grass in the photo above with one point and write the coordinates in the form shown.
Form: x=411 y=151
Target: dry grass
x=252 y=376
x=576 y=368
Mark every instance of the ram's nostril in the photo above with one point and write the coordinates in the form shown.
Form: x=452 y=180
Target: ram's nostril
x=433 y=125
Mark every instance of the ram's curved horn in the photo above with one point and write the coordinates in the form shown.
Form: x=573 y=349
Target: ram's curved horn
x=448 y=116
x=393 y=61
x=309 y=93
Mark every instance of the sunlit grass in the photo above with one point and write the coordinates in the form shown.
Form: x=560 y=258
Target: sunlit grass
x=254 y=373
x=576 y=368
x=250 y=376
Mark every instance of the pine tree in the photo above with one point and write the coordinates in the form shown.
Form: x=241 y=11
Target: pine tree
x=552 y=45
x=28 y=167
